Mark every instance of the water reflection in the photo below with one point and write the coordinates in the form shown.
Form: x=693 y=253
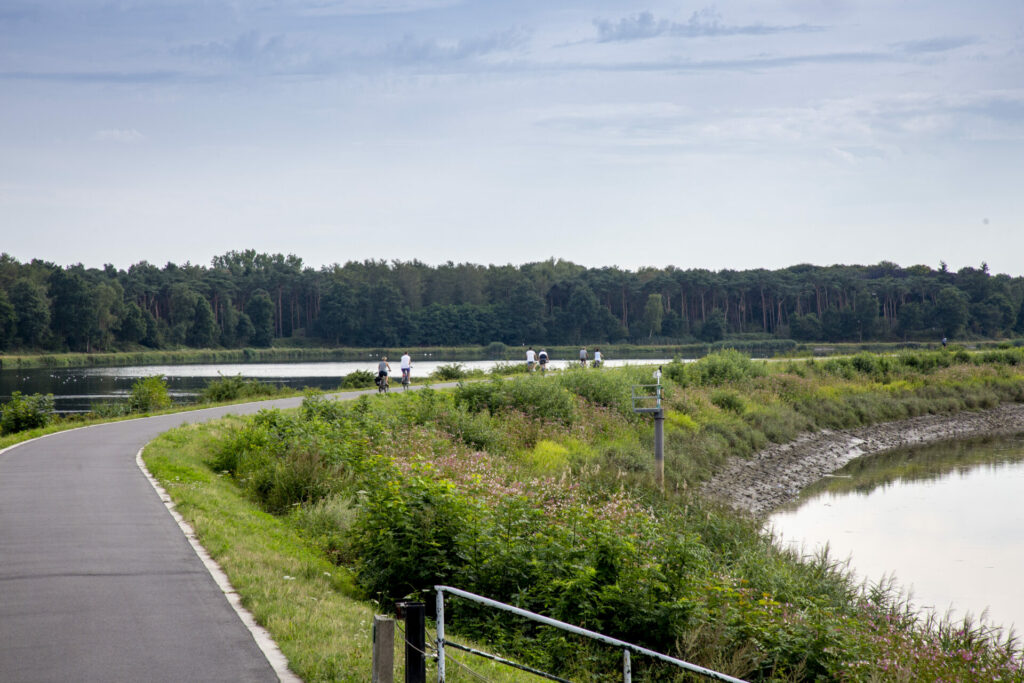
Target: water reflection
x=946 y=520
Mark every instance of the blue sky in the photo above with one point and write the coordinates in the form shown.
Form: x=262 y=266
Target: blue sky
x=714 y=135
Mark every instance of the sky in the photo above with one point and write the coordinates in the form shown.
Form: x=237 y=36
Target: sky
x=701 y=135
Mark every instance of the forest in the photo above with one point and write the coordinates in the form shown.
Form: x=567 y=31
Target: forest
x=250 y=299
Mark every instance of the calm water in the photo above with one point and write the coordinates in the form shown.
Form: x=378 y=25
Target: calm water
x=78 y=389
x=947 y=521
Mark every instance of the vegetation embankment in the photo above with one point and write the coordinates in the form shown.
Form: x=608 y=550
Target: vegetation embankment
x=538 y=491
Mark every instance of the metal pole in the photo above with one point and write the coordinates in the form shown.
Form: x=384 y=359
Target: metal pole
x=440 y=636
x=659 y=448
x=627 y=668
x=414 y=614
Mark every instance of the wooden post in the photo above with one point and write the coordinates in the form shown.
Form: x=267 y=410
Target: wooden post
x=383 y=649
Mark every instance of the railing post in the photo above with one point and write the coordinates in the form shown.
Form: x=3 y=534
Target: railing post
x=414 y=614
x=383 y=649
x=440 y=636
x=659 y=448
x=627 y=668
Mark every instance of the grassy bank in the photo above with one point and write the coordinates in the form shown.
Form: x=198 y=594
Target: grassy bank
x=538 y=491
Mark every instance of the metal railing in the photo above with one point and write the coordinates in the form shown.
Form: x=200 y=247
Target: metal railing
x=646 y=398
x=627 y=675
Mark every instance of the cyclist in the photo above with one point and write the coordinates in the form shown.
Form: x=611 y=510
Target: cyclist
x=597 y=358
x=383 y=368
x=542 y=360
x=406 y=366
x=583 y=357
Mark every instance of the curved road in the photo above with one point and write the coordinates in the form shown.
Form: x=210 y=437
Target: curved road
x=97 y=581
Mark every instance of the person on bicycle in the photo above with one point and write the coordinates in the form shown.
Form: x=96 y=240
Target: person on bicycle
x=542 y=359
x=383 y=369
x=583 y=357
x=406 y=366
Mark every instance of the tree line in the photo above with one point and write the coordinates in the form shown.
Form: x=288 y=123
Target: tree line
x=250 y=299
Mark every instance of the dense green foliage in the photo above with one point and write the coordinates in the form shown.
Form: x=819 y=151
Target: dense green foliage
x=225 y=389
x=537 y=491
x=26 y=412
x=252 y=299
x=149 y=394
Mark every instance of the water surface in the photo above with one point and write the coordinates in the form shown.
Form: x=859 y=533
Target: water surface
x=78 y=389
x=946 y=521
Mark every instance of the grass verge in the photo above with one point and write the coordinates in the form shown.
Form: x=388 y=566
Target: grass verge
x=310 y=606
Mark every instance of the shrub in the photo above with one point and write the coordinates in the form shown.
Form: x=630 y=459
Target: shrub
x=449 y=372
x=234 y=388
x=26 y=412
x=722 y=367
x=729 y=400
x=358 y=379
x=149 y=394
x=548 y=457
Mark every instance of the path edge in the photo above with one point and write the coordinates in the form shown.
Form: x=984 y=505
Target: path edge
x=265 y=642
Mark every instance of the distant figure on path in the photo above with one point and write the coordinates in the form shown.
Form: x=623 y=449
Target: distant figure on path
x=383 y=369
x=943 y=342
x=542 y=358
x=531 y=358
x=583 y=356
x=597 y=357
x=406 y=366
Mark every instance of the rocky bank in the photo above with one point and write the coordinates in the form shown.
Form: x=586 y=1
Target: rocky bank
x=776 y=475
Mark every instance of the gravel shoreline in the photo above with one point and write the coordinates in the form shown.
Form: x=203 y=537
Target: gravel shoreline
x=776 y=475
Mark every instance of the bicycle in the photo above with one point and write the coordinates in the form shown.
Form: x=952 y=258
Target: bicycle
x=405 y=379
x=382 y=384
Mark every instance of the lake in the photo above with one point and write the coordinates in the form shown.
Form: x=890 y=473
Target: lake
x=77 y=389
x=945 y=520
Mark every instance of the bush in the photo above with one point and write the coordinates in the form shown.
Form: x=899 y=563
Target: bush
x=530 y=395
x=26 y=412
x=149 y=394
x=235 y=388
x=722 y=367
x=358 y=379
x=449 y=372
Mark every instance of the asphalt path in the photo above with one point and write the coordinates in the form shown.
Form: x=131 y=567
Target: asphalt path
x=97 y=580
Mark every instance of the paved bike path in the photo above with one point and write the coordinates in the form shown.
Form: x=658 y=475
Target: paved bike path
x=97 y=581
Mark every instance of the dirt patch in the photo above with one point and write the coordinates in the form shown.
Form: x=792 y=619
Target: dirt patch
x=776 y=475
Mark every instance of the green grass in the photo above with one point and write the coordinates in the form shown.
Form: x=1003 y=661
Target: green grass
x=310 y=606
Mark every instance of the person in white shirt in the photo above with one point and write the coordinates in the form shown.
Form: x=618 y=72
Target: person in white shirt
x=406 y=366
x=597 y=358
x=542 y=358
x=531 y=358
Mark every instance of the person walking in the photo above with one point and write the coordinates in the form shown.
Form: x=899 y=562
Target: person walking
x=583 y=357
x=597 y=357
x=531 y=359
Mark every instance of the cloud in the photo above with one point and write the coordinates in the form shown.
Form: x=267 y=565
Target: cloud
x=930 y=45
x=119 y=135
x=411 y=50
x=247 y=49
x=373 y=7
x=706 y=22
